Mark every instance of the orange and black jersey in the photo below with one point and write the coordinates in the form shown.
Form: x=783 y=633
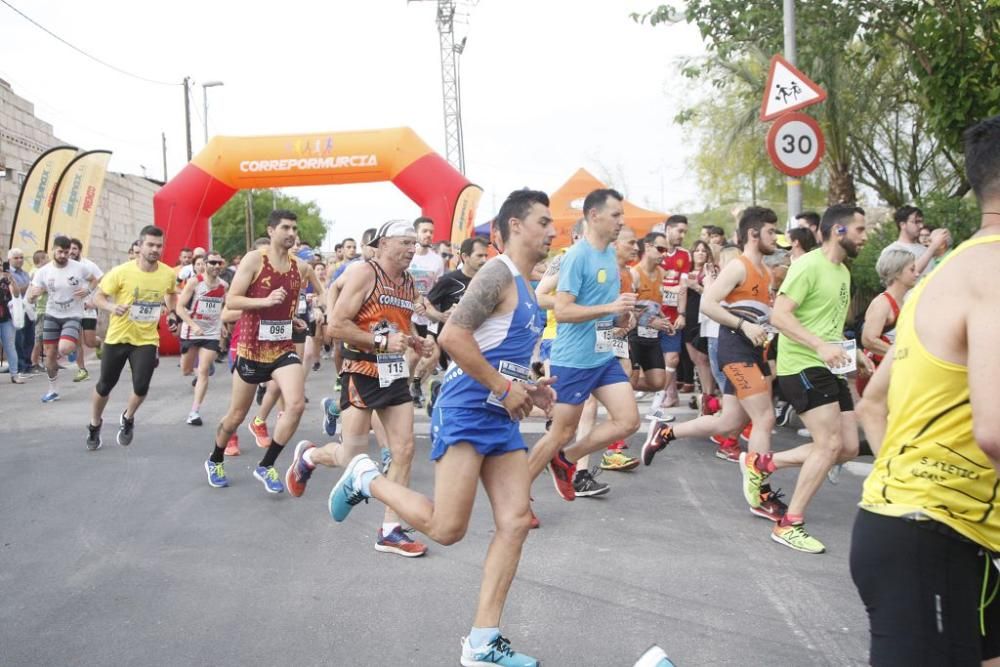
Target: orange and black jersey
x=387 y=309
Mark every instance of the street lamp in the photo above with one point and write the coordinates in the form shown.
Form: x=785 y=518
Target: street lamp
x=204 y=96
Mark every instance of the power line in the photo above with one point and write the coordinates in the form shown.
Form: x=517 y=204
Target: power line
x=81 y=51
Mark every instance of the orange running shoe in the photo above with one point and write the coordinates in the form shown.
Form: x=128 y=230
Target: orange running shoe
x=233 y=446
x=258 y=429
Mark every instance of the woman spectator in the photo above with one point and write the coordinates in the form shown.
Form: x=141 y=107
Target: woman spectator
x=8 y=291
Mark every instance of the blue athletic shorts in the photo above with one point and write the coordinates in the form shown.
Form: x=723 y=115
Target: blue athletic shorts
x=545 y=349
x=574 y=385
x=671 y=343
x=491 y=434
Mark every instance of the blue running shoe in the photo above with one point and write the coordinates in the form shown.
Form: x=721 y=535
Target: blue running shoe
x=386 y=460
x=400 y=543
x=331 y=413
x=50 y=397
x=497 y=652
x=654 y=657
x=269 y=478
x=347 y=492
x=216 y=474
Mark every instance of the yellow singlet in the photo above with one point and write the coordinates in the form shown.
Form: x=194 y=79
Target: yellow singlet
x=929 y=464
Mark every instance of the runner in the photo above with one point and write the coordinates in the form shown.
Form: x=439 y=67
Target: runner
x=202 y=328
x=676 y=263
x=929 y=523
x=587 y=305
x=426 y=268
x=739 y=299
x=648 y=364
x=265 y=288
x=809 y=313
x=133 y=294
x=67 y=283
x=372 y=315
x=88 y=324
x=476 y=435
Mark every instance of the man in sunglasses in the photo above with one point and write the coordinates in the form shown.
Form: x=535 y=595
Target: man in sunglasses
x=200 y=308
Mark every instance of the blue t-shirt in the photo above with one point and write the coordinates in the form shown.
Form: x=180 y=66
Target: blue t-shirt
x=592 y=277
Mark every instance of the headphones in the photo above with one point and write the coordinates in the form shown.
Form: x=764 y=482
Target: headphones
x=841 y=229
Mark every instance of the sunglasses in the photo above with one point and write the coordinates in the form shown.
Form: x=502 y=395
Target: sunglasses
x=214 y=263
x=446 y=255
x=662 y=248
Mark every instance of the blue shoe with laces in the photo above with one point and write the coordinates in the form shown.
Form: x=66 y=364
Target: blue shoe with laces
x=49 y=397
x=331 y=414
x=347 y=491
x=497 y=652
x=269 y=477
x=216 y=474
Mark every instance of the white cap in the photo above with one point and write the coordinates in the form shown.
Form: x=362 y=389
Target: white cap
x=393 y=228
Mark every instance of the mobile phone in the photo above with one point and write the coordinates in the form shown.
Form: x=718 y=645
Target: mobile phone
x=6 y=267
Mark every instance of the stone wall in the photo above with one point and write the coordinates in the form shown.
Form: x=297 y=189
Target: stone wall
x=126 y=205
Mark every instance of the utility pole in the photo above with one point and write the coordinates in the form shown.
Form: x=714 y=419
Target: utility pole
x=163 y=140
x=187 y=114
x=794 y=185
x=249 y=220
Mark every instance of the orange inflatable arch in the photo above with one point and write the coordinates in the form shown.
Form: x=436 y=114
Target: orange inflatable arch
x=226 y=165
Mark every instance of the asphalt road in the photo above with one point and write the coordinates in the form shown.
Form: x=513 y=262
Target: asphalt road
x=126 y=556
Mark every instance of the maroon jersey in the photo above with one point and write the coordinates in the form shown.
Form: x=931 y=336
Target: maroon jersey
x=675 y=266
x=266 y=334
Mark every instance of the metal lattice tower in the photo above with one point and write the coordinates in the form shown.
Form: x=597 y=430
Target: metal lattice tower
x=450 y=86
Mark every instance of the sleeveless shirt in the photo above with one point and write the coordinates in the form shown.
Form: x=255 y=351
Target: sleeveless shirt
x=266 y=334
x=387 y=309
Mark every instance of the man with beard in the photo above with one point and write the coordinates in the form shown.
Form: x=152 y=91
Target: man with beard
x=89 y=321
x=813 y=359
x=132 y=293
x=266 y=289
x=425 y=268
x=740 y=301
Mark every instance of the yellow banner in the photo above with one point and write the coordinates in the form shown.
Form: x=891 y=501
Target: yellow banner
x=77 y=196
x=31 y=217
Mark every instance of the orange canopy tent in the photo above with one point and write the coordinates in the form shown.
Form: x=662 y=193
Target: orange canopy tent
x=566 y=205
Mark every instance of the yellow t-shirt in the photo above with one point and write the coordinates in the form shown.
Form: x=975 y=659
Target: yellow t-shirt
x=550 y=315
x=930 y=465
x=143 y=291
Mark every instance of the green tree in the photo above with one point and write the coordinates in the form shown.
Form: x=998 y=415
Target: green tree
x=229 y=222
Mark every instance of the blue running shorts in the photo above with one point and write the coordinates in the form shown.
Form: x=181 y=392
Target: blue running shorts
x=490 y=433
x=574 y=385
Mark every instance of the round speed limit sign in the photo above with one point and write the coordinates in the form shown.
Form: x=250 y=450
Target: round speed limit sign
x=795 y=144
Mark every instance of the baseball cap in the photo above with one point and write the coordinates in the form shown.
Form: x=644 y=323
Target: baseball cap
x=393 y=228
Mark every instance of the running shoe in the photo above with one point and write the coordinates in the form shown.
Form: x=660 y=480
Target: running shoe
x=497 y=652
x=639 y=395
x=753 y=478
x=660 y=416
x=400 y=543
x=659 y=436
x=618 y=445
x=833 y=474
x=654 y=657
x=347 y=493
x=654 y=405
x=535 y=523
x=771 y=506
x=233 y=446
x=794 y=536
x=258 y=429
x=417 y=394
x=194 y=419
x=71 y=358
x=81 y=375
x=710 y=404
x=586 y=486
x=747 y=430
x=729 y=450
x=94 y=437
x=331 y=414
x=261 y=390
x=50 y=396
x=563 y=474
x=615 y=460
x=270 y=478
x=299 y=472
x=783 y=412
x=316 y=367
x=804 y=433
x=435 y=390
x=386 y=459
x=718 y=439
x=216 y=474
x=125 y=430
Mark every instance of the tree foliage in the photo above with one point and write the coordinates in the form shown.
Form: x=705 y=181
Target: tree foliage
x=229 y=222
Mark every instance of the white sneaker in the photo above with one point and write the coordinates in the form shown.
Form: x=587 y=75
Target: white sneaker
x=804 y=433
x=654 y=657
x=657 y=401
x=639 y=395
x=194 y=419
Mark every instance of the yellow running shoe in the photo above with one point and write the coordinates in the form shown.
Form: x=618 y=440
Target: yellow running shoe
x=618 y=461
x=795 y=537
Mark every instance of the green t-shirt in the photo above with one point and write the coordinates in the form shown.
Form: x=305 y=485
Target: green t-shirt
x=822 y=291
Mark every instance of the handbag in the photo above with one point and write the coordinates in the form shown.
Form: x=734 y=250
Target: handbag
x=16 y=307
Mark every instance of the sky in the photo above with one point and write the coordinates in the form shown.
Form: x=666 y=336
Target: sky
x=548 y=86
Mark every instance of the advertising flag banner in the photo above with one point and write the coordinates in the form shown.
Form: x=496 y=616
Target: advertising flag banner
x=31 y=216
x=77 y=195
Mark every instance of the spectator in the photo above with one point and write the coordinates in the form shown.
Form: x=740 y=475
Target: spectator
x=909 y=220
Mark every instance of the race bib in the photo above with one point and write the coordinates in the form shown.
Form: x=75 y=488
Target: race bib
x=669 y=298
x=620 y=347
x=63 y=306
x=144 y=311
x=605 y=341
x=648 y=332
x=208 y=307
x=432 y=326
x=274 y=330
x=850 y=349
x=391 y=367
x=514 y=373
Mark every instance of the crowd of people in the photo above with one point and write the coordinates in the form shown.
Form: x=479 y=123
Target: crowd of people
x=753 y=327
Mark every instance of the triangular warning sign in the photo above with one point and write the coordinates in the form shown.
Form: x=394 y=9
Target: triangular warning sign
x=788 y=89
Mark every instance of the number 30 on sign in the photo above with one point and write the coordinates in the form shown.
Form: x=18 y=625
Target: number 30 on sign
x=795 y=144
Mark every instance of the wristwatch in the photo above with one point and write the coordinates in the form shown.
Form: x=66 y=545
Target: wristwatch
x=380 y=342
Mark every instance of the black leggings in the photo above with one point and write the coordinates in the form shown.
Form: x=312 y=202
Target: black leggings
x=922 y=584
x=141 y=359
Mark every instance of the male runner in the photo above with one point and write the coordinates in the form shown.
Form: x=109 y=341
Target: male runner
x=132 y=293
x=202 y=328
x=675 y=262
x=425 y=268
x=372 y=315
x=740 y=301
x=88 y=323
x=67 y=283
x=265 y=288
x=927 y=536
x=476 y=436
x=644 y=340
x=809 y=314
x=587 y=305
